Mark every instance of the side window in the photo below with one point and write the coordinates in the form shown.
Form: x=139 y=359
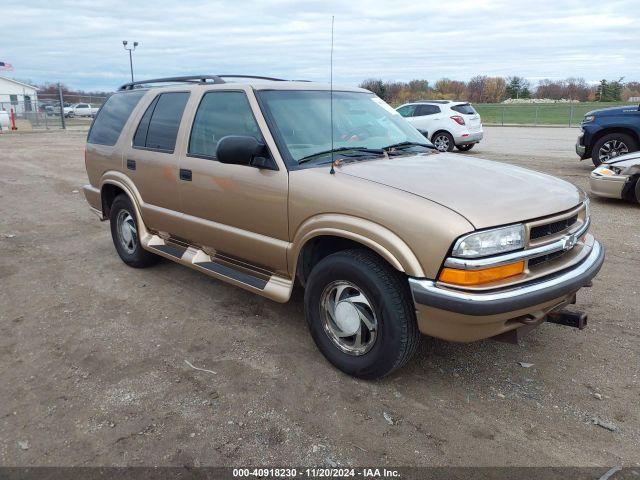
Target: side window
x=465 y=109
x=220 y=114
x=140 y=137
x=159 y=125
x=427 y=110
x=407 y=110
x=107 y=126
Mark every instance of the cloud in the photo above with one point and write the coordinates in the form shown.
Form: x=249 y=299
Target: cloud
x=79 y=42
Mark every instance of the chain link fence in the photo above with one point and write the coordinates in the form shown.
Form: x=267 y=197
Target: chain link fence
x=77 y=112
x=540 y=114
x=50 y=111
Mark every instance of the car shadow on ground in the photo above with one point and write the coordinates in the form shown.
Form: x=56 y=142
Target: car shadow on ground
x=438 y=360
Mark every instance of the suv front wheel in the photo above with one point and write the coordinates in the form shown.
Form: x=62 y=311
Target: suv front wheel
x=360 y=314
x=612 y=146
x=124 y=232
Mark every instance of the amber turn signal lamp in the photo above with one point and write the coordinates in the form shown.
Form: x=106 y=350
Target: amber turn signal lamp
x=478 y=277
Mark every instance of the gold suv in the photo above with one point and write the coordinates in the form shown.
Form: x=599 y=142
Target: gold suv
x=262 y=182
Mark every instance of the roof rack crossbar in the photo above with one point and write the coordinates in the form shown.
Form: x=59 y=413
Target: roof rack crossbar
x=254 y=76
x=195 y=79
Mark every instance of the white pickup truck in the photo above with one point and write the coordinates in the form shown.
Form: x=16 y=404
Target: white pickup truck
x=80 y=110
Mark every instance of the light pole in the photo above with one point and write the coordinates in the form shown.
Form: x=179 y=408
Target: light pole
x=130 y=49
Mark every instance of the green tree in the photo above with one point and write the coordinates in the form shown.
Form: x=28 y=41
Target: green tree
x=517 y=87
x=376 y=86
x=610 y=91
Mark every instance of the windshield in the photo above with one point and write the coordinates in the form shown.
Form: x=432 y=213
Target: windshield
x=302 y=120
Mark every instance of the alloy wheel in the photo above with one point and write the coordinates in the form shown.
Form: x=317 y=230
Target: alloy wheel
x=441 y=142
x=612 y=149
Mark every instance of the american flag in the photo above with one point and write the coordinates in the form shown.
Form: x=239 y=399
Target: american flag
x=5 y=66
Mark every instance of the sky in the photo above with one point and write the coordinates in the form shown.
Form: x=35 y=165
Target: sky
x=79 y=42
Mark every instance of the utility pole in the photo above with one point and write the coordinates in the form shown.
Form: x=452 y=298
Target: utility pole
x=61 y=98
x=130 y=49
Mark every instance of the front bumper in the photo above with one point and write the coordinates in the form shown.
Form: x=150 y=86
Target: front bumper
x=585 y=142
x=608 y=186
x=581 y=150
x=429 y=293
x=460 y=316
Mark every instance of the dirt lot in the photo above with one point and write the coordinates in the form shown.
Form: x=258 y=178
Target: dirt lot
x=92 y=353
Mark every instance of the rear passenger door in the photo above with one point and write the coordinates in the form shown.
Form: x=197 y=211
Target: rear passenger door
x=151 y=160
x=426 y=118
x=238 y=210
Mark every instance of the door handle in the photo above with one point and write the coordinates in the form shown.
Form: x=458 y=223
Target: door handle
x=185 y=174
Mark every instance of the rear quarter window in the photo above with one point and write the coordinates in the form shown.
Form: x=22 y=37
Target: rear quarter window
x=465 y=109
x=113 y=115
x=159 y=126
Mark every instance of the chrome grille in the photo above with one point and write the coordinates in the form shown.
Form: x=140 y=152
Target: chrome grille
x=545 y=258
x=552 y=228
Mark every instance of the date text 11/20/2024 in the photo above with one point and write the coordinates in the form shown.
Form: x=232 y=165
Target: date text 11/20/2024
x=315 y=472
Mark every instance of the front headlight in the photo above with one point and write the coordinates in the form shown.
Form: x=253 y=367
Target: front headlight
x=607 y=170
x=588 y=118
x=490 y=242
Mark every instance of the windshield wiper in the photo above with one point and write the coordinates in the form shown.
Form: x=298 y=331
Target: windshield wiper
x=359 y=151
x=407 y=144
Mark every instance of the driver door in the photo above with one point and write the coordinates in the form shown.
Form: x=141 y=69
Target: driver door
x=240 y=211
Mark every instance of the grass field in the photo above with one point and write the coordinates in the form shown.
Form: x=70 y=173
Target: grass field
x=537 y=114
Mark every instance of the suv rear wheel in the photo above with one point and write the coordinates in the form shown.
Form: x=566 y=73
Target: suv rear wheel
x=443 y=141
x=360 y=314
x=611 y=146
x=124 y=232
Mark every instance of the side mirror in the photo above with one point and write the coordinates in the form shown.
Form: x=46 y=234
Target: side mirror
x=243 y=150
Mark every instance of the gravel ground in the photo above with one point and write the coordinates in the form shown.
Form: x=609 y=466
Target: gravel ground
x=93 y=353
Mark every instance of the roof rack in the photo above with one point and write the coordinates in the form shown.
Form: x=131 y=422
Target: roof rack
x=216 y=79
x=442 y=102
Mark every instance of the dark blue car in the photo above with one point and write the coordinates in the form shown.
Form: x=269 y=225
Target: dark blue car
x=609 y=133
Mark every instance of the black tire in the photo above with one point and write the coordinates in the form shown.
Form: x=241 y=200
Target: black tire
x=135 y=256
x=443 y=141
x=637 y=189
x=387 y=290
x=628 y=143
x=466 y=147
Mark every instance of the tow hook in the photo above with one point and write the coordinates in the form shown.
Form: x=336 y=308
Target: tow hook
x=569 y=319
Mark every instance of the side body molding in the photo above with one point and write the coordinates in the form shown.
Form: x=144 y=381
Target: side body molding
x=380 y=239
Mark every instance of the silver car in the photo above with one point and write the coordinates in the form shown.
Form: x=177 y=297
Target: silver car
x=618 y=178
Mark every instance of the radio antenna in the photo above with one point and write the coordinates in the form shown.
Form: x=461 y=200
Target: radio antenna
x=332 y=171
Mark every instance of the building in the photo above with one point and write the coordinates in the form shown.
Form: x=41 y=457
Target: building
x=17 y=95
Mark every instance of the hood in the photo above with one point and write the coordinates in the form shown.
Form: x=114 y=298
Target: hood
x=624 y=161
x=486 y=193
x=613 y=111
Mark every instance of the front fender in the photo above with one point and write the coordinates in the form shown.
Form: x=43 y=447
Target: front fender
x=378 y=238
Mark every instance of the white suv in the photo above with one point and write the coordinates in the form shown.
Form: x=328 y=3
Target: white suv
x=446 y=123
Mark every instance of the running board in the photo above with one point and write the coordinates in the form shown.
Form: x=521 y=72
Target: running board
x=264 y=283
